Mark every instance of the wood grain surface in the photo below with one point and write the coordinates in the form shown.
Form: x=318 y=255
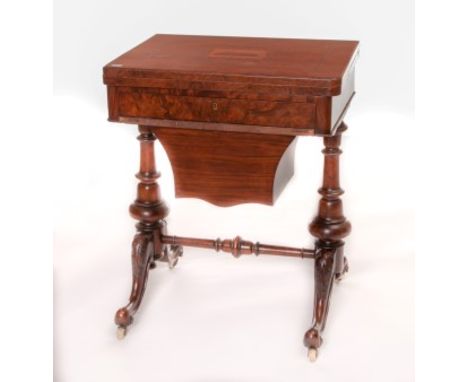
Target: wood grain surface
x=226 y=168
x=318 y=64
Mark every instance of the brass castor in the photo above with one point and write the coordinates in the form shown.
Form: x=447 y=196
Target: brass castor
x=121 y=332
x=312 y=353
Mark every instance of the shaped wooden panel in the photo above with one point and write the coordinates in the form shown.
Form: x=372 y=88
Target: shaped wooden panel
x=228 y=168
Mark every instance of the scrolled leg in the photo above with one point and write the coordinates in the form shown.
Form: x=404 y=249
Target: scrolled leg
x=329 y=227
x=142 y=254
x=150 y=210
x=325 y=265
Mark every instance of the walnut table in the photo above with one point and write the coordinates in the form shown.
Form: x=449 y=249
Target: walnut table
x=227 y=110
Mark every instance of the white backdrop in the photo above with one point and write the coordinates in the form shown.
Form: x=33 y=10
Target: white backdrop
x=215 y=318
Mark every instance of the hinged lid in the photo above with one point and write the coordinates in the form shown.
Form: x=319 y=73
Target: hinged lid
x=211 y=63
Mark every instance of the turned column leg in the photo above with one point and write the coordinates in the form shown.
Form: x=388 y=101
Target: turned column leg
x=329 y=227
x=149 y=210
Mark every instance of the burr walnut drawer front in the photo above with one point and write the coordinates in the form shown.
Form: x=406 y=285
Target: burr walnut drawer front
x=150 y=103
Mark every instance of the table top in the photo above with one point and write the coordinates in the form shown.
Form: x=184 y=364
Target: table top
x=272 y=61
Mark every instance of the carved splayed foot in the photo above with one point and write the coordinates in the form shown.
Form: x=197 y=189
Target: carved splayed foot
x=142 y=254
x=325 y=265
x=330 y=227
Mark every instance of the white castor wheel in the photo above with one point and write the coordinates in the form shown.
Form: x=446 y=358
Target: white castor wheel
x=173 y=255
x=172 y=259
x=312 y=353
x=121 y=332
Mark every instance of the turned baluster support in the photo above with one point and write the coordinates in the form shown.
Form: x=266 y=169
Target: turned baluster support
x=150 y=210
x=329 y=227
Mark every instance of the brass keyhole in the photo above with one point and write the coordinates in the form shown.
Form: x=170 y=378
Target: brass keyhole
x=214 y=106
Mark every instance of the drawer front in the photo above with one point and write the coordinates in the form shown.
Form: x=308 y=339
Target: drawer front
x=150 y=103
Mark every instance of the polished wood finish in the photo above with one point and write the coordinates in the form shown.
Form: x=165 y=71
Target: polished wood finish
x=227 y=168
x=153 y=103
x=227 y=110
x=248 y=84
x=329 y=227
x=311 y=66
x=238 y=247
x=150 y=210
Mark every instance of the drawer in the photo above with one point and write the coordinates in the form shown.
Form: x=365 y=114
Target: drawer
x=153 y=103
